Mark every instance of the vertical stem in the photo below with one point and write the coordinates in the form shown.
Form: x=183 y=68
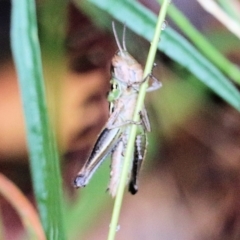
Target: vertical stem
x=133 y=128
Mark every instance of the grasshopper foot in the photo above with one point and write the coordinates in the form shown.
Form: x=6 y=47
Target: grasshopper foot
x=133 y=188
x=79 y=181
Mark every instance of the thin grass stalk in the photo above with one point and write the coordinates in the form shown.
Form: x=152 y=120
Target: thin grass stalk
x=133 y=128
x=41 y=145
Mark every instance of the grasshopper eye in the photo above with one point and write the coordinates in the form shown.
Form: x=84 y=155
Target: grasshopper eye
x=112 y=83
x=114 y=86
x=115 y=91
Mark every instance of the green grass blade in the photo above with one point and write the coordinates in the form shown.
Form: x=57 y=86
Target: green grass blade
x=42 y=148
x=202 y=68
x=231 y=70
x=142 y=21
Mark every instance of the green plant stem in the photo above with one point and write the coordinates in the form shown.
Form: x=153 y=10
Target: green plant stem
x=133 y=128
x=200 y=41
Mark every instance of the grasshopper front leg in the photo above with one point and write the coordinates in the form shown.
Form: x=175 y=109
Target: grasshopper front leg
x=153 y=83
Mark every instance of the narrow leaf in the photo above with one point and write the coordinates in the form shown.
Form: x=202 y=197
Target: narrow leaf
x=43 y=155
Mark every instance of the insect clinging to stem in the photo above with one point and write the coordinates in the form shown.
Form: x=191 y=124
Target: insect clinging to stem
x=126 y=79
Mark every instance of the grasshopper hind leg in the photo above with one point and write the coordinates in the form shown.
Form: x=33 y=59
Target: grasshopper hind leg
x=106 y=141
x=139 y=156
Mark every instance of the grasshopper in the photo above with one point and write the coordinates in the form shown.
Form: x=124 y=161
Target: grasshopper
x=127 y=77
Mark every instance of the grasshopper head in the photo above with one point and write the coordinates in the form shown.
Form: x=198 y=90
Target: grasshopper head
x=123 y=60
x=122 y=56
x=124 y=67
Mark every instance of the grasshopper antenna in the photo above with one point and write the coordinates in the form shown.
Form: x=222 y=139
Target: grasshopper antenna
x=116 y=38
x=124 y=38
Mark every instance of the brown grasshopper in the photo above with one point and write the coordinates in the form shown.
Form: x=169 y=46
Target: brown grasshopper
x=127 y=77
